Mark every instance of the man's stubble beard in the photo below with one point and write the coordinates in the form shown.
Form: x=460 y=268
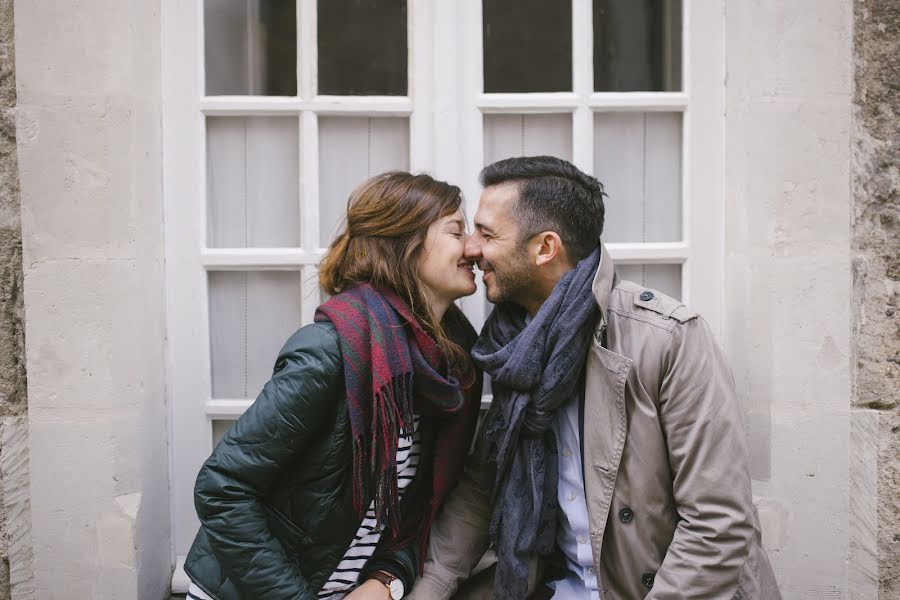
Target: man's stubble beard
x=513 y=284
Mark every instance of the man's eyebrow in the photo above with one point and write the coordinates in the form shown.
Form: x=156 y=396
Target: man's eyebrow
x=483 y=227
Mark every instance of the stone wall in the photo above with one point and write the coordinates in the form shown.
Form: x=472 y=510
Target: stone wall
x=876 y=271
x=15 y=539
x=90 y=175
x=788 y=276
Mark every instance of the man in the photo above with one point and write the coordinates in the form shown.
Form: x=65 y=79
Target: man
x=613 y=461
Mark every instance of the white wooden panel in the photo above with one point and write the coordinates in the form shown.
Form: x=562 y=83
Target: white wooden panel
x=219 y=428
x=662 y=177
x=352 y=149
x=637 y=157
x=185 y=228
x=527 y=135
x=252 y=181
x=619 y=165
x=251 y=315
x=664 y=278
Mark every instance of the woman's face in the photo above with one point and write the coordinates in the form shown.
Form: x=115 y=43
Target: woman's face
x=443 y=268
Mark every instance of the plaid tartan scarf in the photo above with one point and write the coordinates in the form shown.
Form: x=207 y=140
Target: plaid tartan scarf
x=392 y=367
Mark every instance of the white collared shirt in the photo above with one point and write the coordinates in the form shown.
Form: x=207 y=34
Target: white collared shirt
x=573 y=531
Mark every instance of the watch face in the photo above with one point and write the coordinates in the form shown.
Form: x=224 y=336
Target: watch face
x=396 y=589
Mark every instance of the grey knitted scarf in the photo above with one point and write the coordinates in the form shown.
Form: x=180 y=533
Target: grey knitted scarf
x=534 y=369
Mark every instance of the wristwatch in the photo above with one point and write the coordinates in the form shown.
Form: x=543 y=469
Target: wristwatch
x=394 y=585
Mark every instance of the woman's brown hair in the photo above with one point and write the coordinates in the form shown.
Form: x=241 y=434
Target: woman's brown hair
x=382 y=240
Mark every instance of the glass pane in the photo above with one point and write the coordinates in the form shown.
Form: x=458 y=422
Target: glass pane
x=362 y=47
x=352 y=149
x=251 y=314
x=527 y=45
x=251 y=47
x=663 y=278
x=527 y=135
x=252 y=181
x=638 y=159
x=637 y=45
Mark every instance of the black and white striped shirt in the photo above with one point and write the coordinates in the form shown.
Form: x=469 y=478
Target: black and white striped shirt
x=345 y=576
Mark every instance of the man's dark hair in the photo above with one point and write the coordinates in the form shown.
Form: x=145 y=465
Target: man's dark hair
x=554 y=195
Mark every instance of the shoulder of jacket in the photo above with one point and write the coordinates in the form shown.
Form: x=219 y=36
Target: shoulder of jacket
x=641 y=300
x=318 y=339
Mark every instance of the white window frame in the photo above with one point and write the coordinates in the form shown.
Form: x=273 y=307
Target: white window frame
x=446 y=139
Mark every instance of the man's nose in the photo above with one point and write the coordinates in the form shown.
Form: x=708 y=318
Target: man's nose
x=472 y=251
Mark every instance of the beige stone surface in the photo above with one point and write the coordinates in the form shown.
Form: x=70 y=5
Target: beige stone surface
x=788 y=276
x=876 y=262
x=89 y=129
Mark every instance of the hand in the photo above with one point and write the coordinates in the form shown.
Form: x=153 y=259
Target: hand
x=372 y=589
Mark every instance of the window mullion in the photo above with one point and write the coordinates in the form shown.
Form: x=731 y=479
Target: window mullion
x=582 y=84
x=421 y=67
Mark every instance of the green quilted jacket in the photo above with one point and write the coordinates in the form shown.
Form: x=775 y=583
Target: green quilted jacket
x=275 y=497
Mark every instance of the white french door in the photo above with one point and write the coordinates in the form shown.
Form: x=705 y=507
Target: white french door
x=274 y=110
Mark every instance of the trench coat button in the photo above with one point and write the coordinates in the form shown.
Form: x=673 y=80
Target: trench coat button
x=647 y=579
x=645 y=296
x=626 y=515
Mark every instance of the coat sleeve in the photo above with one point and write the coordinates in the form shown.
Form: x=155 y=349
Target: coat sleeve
x=277 y=428
x=459 y=536
x=702 y=421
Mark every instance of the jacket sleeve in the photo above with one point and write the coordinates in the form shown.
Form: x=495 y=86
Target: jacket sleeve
x=279 y=425
x=402 y=564
x=459 y=536
x=702 y=421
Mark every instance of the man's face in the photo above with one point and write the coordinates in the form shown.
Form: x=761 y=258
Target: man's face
x=508 y=273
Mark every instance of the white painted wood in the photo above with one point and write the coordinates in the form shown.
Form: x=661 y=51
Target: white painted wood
x=647 y=253
x=642 y=101
x=307 y=40
x=397 y=106
x=421 y=87
x=226 y=408
x=662 y=177
x=468 y=123
x=533 y=103
x=582 y=84
x=252 y=181
x=619 y=165
x=326 y=105
x=245 y=259
x=184 y=170
x=309 y=180
x=352 y=149
x=638 y=159
x=257 y=105
x=527 y=135
x=251 y=314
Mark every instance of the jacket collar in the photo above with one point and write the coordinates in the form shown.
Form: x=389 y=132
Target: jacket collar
x=604 y=280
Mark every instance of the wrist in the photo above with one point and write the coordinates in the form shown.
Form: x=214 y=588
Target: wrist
x=391 y=584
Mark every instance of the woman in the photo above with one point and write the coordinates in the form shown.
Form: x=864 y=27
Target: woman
x=327 y=486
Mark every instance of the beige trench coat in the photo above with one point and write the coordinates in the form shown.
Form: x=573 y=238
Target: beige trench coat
x=665 y=465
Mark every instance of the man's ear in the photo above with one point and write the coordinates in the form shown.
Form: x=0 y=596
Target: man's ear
x=549 y=247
